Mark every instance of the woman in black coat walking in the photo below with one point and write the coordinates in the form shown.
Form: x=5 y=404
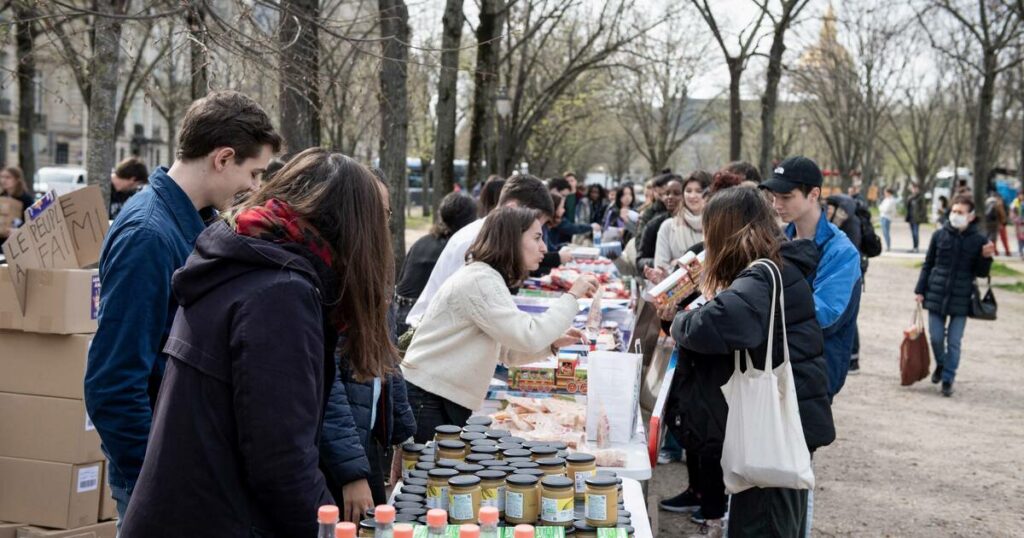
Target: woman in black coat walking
x=233 y=449
x=956 y=255
x=739 y=228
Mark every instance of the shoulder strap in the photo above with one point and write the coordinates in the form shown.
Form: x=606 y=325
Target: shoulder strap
x=777 y=295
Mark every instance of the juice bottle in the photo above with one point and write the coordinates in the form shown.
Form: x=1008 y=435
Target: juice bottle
x=489 y=522
x=403 y=530
x=523 y=531
x=469 y=531
x=437 y=521
x=345 y=530
x=384 y=516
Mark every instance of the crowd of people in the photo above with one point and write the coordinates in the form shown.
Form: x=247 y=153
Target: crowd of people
x=257 y=373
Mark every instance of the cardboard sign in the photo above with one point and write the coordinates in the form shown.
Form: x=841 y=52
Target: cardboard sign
x=59 y=233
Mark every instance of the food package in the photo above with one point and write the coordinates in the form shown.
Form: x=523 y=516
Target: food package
x=678 y=285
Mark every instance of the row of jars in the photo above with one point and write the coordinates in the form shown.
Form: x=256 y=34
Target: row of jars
x=527 y=481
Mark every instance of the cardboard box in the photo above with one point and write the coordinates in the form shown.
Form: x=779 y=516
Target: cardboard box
x=108 y=507
x=59 y=233
x=11 y=210
x=99 y=530
x=62 y=301
x=49 y=494
x=43 y=364
x=50 y=429
x=11 y=316
x=9 y=530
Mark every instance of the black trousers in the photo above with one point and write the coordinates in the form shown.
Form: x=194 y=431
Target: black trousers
x=706 y=480
x=432 y=411
x=768 y=512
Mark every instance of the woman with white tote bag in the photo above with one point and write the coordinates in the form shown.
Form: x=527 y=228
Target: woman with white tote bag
x=779 y=413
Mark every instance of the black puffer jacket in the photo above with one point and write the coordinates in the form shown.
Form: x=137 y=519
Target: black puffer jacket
x=736 y=319
x=648 y=244
x=954 y=259
x=233 y=449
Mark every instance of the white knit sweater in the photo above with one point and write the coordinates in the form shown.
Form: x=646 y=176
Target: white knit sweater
x=472 y=324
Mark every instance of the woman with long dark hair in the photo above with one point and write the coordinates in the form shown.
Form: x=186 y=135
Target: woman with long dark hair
x=621 y=214
x=739 y=229
x=263 y=298
x=472 y=323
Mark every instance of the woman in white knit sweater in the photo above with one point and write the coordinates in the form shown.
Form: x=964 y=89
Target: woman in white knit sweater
x=472 y=323
x=680 y=233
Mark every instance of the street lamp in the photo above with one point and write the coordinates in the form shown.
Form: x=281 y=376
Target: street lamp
x=503 y=104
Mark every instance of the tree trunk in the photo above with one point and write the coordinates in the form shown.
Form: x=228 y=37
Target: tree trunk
x=26 y=70
x=735 y=110
x=196 y=20
x=300 y=86
x=982 y=134
x=102 y=150
x=481 y=133
x=444 y=139
x=394 y=113
x=770 y=99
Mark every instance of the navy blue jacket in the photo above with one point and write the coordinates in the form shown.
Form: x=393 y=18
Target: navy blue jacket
x=234 y=447
x=149 y=240
x=953 y=261
x=347 y=429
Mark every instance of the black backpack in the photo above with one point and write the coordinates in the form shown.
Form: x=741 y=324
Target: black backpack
x=870 y=244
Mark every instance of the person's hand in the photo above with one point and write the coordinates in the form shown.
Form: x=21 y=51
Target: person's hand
x=624 y=214
x=358 y=499
x=585 y=286
x=667 y=312
x=919 y=298
x=565 y=254
x=988 y=250
x=655 y=274
x=571 y=337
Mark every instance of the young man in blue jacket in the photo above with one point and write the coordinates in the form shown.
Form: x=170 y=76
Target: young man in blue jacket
x=225 y=142
x=796 y=190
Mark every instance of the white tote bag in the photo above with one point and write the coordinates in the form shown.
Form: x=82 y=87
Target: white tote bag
x=764 y=440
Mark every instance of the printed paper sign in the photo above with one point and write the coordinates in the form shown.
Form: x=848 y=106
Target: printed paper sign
x=89 y=426
x=95 y=309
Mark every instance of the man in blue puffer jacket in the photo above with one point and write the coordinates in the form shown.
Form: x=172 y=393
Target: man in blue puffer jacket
x=361 y=421
x=796 y=190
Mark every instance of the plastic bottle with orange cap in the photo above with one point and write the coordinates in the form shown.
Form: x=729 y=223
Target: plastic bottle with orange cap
x=489 y=522
x=384 y=516
x=523 y=531
x=345 y=529
x=327 y=520
x=437 y=521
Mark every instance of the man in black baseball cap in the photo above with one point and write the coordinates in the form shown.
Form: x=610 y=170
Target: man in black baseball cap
x=795 y=186
x=792 y=173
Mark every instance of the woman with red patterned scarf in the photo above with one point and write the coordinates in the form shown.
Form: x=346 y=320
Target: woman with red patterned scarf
x=233 y=449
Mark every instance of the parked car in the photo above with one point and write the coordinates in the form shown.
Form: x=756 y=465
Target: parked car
x=63 y=179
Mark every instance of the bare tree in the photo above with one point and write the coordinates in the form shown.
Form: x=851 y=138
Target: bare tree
x=394 y=114
x=198 y=49
x=995 y=28
x=25 y=37
x=654 y=91
x=789 y=11
x=350 y=106
x=444 y=142
x=168 y=88
x=103 y=93
x=919 y=134
x=747 y=40
x=623 y=152
x=485 y=80
x=550 y=44
x=300 y=74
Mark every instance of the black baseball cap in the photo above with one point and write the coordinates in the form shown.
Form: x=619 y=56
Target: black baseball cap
x=793 y=172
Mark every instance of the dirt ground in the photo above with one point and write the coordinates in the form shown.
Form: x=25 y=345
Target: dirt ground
x=906 y=461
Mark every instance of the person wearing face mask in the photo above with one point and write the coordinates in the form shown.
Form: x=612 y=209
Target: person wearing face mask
x=671 y=199
x=956 y=255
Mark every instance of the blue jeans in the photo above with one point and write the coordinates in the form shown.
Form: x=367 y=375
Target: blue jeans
x=914 y=227
x=121 y=497
x=886 y=226
x=946 y=342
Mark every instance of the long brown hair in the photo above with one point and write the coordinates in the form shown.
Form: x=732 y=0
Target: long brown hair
x=343 y=200
x=739 y=228
x=500 y=240
x=19 y=183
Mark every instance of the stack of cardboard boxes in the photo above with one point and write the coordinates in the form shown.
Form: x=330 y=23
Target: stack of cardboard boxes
x=52 y=471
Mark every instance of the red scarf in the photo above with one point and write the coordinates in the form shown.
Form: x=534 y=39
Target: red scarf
x=277 y=222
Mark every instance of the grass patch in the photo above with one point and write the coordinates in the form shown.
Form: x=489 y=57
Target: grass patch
x=1016 y=287
x=417 y=222
x=1001 y=269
